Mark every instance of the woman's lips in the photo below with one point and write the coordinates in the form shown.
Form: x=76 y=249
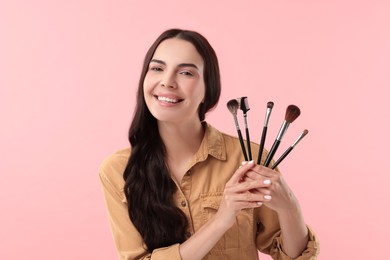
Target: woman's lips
x=171 y=100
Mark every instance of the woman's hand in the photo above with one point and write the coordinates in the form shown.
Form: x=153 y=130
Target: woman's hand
x=249 y=187
x=240 y=193
x=277 y=195
x=280 y=198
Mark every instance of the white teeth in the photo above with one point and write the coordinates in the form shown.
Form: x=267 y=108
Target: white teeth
x=170 y=100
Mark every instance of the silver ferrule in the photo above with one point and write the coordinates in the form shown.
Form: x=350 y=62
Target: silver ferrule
x=282 y=130
x=267 y=116
x=300 y=137
x=236 y=122
x=245 y=121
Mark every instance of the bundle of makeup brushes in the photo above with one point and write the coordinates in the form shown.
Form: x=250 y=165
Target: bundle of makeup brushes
x=292 y=112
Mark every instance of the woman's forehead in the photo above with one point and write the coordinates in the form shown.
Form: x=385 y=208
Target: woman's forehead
x=177 y=51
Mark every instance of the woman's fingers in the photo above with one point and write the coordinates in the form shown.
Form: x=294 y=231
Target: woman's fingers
x=238 y=201
x=264 y=171
x=249 y=197
x=249 y=204
x=248 y=185
x=251 y=175
x=240 y=172
x=252 y=185
x=248 y=192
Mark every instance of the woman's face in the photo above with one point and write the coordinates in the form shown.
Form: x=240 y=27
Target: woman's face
x=174 y=85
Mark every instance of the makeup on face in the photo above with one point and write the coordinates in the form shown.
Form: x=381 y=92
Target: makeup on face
x=174 y=85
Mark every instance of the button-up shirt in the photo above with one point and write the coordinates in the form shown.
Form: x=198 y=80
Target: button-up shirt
x=198 y=195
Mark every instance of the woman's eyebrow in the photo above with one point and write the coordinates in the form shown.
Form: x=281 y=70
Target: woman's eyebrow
x=188 y=65
x=158 y=61
x=180 y=65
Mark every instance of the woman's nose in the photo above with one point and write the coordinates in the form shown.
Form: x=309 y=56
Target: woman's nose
x=168 y=81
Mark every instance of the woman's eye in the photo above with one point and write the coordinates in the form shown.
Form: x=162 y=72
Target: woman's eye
x=186 y=73
x=155 y=69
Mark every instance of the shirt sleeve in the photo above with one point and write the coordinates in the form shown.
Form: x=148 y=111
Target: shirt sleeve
x=128 y=241
x=268 y=238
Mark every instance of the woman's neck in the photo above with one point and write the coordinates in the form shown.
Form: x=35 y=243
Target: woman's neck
x=181 y=143
x=181 y=139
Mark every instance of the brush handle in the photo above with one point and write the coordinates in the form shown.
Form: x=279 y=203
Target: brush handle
x=284 y=155
x=248 y=143
x=242 y=144
x=272 y=153
x=261 y=148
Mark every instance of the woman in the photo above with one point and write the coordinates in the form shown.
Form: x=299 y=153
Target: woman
x=180 y=191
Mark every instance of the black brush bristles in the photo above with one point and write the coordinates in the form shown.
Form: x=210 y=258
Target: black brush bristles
x=233 y=105
x=244 y=106
x=270 y=105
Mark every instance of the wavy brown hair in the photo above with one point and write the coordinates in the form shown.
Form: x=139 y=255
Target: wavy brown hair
x=149 y=187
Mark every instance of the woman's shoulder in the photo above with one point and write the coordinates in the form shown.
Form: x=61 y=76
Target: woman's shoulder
x=113 y=166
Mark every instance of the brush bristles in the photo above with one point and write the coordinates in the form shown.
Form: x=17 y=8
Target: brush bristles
x=292 y=113
x=270 y=104
x=233 y=105
x=244 y=105
x=305 y=132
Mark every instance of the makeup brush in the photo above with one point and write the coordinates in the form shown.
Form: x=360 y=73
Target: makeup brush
x=244 y=106
x=270 y=105
x=305 y=132
x=233 y=105
x=292 y=112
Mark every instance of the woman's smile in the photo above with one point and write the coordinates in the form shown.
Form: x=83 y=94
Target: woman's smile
x=168 y=99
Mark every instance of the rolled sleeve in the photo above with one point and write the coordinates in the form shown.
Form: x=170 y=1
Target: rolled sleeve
x=310 y=253
x=269 y=241
x=170 y=252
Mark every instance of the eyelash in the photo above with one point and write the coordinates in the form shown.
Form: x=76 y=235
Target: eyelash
x=156 y=68
x=185 y=73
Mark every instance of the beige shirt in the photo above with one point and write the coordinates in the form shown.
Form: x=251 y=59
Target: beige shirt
x=199 y=195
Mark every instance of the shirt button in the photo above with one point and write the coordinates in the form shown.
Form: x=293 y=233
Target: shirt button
x=183 y=203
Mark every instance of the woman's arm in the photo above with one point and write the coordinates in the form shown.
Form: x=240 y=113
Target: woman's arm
x=237 y=196
x=294 y=232
x=128 y=241
x=292 y=224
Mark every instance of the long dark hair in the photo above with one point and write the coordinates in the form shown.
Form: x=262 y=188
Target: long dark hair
x=149 y=187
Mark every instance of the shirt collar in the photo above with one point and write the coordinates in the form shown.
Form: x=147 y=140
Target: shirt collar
x=212 y=144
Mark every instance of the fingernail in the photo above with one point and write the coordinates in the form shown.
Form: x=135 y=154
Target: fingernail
x=267 y=182
x=259 y=203
x=267 y=197
x=244 y=162
x=251 y=162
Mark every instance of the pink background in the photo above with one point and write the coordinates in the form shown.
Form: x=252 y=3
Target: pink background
x=68 y=75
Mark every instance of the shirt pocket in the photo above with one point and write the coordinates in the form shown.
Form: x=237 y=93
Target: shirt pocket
x=240 y=235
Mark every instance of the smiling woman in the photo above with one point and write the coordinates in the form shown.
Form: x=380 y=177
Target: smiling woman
x=174 y=85
x=180 y=190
